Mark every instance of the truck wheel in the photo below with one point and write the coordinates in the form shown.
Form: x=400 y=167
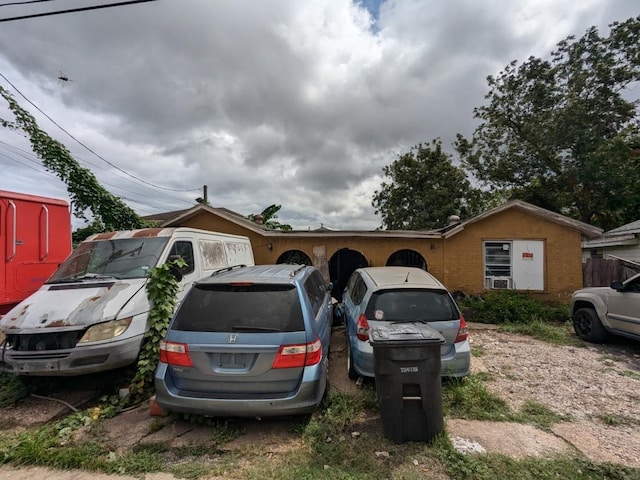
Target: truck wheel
x=588 y=326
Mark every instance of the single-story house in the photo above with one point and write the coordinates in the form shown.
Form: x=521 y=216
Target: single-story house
x=513 y=246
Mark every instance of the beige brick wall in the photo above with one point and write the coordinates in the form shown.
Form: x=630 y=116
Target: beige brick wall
x=562 y=253
x=456 y=261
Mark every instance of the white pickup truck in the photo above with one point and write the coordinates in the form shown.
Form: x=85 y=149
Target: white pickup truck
x=599 y=312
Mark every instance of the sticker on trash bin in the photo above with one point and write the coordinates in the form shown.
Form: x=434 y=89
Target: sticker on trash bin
x=408 y=369
x=379 y=314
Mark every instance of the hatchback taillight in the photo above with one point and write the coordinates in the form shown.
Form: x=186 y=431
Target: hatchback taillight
x=175 y=354
x=302 y=355
x=362 y=328
x=463 y=331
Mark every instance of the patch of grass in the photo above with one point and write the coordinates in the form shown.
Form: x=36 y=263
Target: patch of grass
x=136 y=461
x=12 y=389
x=498 y=467
x=629 y=373
x=509 y=306
x=45 y=448
x=609 y=419
x=222 y=430
x=477 y=351
x=192 y=470
x=469 y=398
x=616 y=420
x=556 y=334
x=539 y=415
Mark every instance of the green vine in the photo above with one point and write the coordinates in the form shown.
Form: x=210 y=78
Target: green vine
x=108 y=211
x=162 y=290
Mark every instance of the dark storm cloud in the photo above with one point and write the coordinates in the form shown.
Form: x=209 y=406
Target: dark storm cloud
x=295 y=103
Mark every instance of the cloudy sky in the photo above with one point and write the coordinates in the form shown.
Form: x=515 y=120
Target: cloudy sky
x=299 y=103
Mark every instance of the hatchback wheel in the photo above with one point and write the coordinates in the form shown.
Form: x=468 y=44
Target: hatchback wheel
x=588 y=326
x=353 y=375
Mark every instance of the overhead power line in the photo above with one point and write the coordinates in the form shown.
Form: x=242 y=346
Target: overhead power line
x=73 y=10
x=90 y=150
x=34 y=159
x=26 y=2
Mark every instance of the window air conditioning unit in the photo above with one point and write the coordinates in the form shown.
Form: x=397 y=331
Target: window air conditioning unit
x=500 y=282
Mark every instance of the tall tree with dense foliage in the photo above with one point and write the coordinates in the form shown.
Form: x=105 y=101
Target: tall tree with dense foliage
x=424 y=188
x=563 y=132
x=107 y=212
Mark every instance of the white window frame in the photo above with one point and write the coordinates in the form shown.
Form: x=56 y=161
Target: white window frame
x=497 y=274
x=526 y=273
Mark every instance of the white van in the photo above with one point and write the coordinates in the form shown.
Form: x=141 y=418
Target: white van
x=91 y=314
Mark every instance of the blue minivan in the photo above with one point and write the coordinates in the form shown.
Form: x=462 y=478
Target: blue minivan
x=248 y=341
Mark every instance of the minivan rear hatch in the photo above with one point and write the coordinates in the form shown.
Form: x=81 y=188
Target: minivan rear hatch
x=234 y=334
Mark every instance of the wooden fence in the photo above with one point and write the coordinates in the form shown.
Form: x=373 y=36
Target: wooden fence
x=600 y=272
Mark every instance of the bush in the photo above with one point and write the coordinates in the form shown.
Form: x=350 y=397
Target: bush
x=507 y=306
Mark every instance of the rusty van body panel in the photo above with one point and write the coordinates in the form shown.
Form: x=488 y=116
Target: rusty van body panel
x=91 y=314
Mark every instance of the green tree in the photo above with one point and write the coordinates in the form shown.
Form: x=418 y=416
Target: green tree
x=563 y=133
x=424 y=189
x=108 y=212
x=269 y=218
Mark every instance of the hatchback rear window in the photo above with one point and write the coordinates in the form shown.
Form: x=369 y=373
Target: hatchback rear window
x=240 y=308
x=412 y=305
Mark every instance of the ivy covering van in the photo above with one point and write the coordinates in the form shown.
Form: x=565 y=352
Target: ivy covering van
x=91 y=314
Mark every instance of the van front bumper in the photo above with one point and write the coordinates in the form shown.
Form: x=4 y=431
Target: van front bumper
x=80 y=360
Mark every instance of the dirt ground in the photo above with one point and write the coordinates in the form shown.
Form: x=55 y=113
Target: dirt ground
x=598 y=386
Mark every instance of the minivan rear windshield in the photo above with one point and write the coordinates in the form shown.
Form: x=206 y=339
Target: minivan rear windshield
x=412 y=305
x=240 y=308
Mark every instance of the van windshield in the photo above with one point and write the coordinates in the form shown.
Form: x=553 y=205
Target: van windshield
x=116 y=258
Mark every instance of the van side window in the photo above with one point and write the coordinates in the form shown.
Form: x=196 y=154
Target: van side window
x=315 y=291
x=184 y=249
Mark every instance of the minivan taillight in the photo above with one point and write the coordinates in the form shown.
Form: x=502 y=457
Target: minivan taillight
x=175 y=354
x=302 y=355
x=463 y=331
x=362 y=328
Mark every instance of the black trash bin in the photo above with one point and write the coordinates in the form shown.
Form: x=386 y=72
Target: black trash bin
x=407 y=374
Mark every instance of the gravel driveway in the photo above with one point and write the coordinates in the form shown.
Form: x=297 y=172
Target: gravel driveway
x=598 y=385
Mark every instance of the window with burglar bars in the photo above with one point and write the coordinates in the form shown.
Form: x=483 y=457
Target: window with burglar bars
x=497 y=264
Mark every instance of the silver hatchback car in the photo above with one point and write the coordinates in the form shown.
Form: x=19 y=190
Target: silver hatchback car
x=378 y=295
x=248 y=341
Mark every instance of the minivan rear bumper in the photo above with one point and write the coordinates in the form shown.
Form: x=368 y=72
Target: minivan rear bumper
x=304 y=400
x=80 y=360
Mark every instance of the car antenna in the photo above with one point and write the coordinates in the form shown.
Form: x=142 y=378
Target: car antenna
x=407 y=279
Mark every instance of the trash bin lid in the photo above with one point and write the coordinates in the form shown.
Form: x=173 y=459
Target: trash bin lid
x=404 y=334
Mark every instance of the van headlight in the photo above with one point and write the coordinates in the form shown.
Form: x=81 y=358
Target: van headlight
x=106 y=330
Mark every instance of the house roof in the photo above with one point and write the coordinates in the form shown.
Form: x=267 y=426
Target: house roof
x=175 y=219
x=620 y=236
x=584 y=228
x=165 y=216
x=633 y=227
